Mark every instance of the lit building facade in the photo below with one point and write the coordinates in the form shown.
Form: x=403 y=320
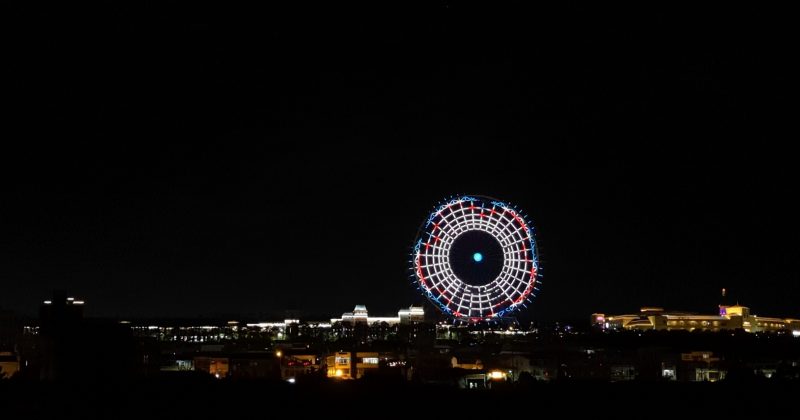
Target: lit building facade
x=730 y=317
x=360 y=315
x=343 y=365
x=289 y=329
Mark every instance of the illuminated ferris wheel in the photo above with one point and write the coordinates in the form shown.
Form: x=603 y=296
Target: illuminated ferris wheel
x=476 y=259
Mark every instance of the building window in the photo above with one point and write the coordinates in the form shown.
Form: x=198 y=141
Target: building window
x=370 y=360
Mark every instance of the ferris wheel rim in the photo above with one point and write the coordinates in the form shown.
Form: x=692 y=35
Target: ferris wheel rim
x=512 y=287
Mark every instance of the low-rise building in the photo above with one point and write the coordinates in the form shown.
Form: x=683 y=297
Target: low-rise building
x=343 y=365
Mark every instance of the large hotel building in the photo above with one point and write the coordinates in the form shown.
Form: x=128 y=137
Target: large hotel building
x=731 y=317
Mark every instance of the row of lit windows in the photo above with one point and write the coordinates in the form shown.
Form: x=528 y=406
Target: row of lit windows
x=693 y=323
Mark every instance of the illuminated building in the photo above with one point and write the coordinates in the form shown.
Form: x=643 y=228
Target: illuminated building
x=340 y=364
x=178 y=365
x=730 y=317
x=204 y=332
x=476 y=365
x=295 y=365
x=9 y=364
x=411 y=314
x=217 y=367
x=361 y=316
x=483 y=379
x=219 y=331
x=704 y=365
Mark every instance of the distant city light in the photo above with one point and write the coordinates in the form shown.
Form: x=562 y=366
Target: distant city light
x=496 y=374
x=290 y=380
x=796 y=333
x=278 y=353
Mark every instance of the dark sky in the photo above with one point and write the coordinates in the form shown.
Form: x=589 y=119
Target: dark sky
x=180 y=160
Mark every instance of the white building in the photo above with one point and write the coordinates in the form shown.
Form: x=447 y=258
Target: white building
x=404 y=316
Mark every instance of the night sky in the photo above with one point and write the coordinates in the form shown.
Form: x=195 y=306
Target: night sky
x=186 y=161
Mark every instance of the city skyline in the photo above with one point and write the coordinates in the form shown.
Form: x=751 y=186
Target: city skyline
x=398 y=209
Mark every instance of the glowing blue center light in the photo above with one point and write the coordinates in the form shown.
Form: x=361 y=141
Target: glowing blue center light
x=478 y=257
